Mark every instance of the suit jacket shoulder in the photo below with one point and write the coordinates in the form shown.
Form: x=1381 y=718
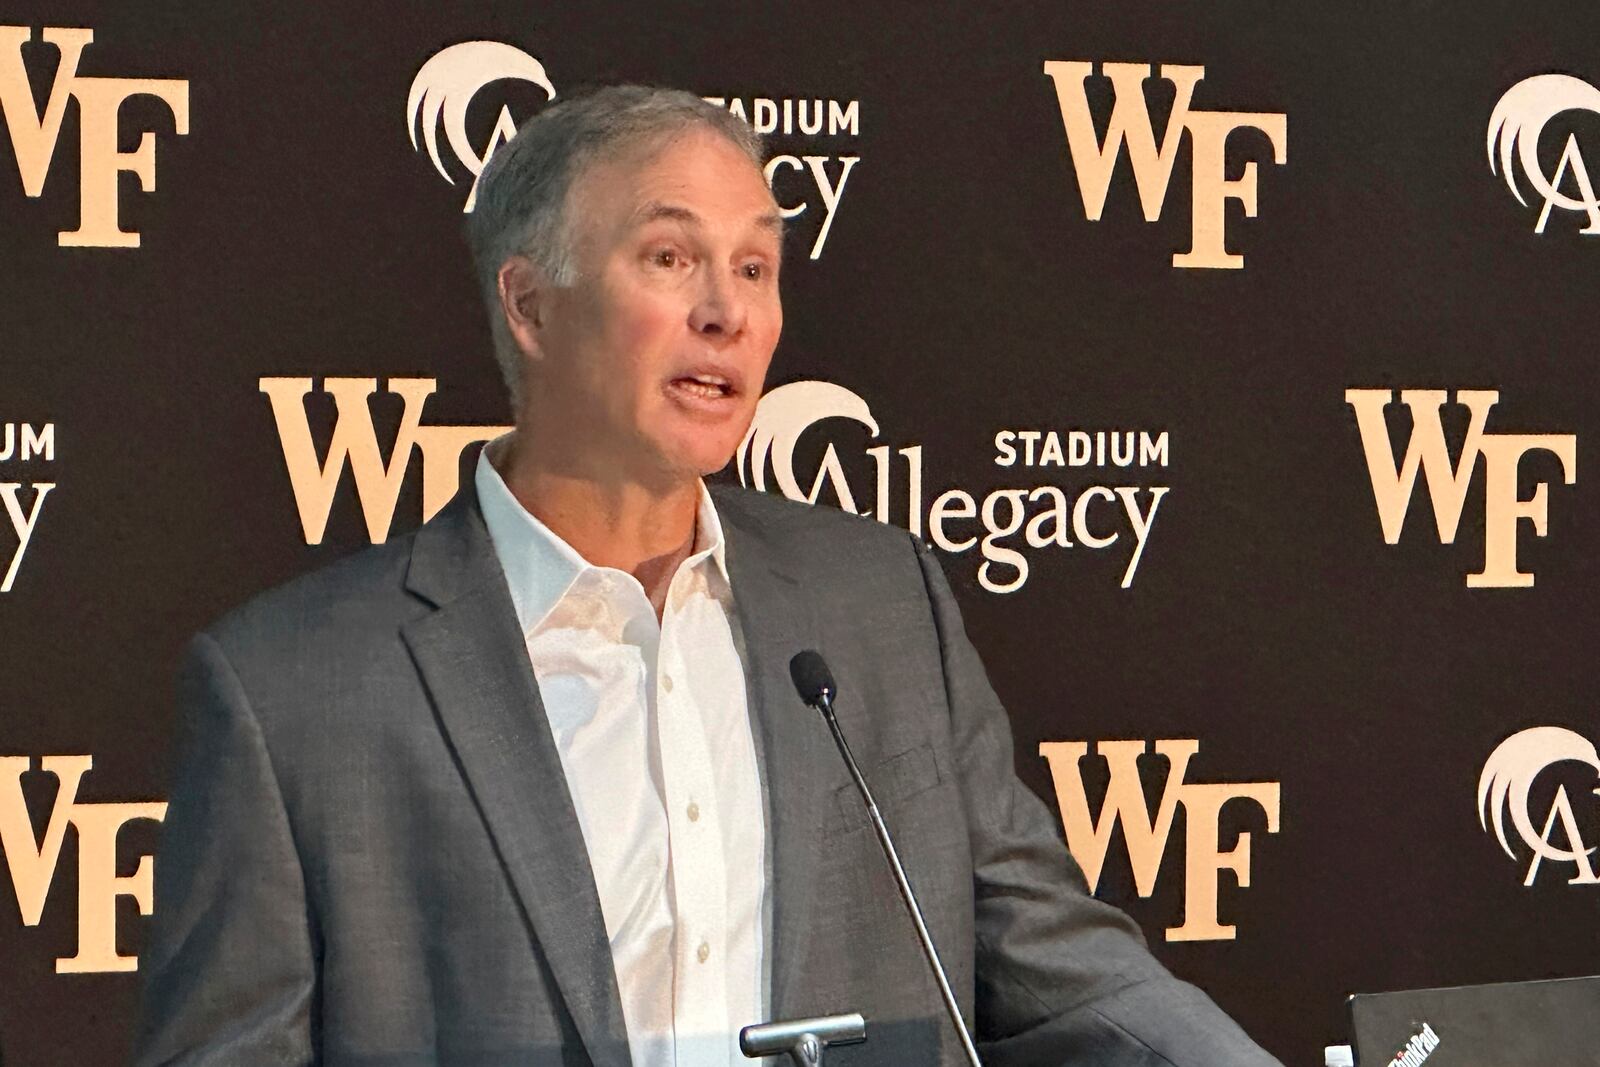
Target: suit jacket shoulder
x=819 y=543
x=343 y=606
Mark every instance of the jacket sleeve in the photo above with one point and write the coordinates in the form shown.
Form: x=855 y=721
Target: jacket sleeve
x=229 y=973
x=1061 y=978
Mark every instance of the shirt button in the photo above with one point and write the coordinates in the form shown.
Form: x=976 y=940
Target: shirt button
x=666 y=682
x=694 y=812
x=703 y=953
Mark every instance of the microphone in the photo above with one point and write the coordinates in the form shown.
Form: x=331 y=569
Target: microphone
x=814 y=682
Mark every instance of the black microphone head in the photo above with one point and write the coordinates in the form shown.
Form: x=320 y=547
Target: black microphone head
x=812 y=678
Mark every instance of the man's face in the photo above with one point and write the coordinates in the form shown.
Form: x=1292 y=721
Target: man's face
x=654 y=360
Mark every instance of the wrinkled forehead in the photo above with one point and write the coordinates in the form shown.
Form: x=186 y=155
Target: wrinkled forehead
x=693 y=176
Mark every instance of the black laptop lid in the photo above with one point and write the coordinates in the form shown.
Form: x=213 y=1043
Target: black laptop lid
x=1514 y=1024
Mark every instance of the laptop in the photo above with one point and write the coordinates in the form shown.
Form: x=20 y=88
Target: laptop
x=1513 y=1024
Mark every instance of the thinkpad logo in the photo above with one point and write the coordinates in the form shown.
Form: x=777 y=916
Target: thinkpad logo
x=1418 y=1049
x=447 y=84
x=1513 y=145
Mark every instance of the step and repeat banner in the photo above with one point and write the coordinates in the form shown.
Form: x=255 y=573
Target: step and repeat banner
x=1239 y=360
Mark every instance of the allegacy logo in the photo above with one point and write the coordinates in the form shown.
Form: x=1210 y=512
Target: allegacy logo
x=1506 y=786
x=444 y=87
x=1518 y=119
x=805 y=180
x=1146 y=834
x=1010 y=519
x=23 y=501
x=100 y=161
x=1130 y=124
x=787 y=174
x=1447 y=484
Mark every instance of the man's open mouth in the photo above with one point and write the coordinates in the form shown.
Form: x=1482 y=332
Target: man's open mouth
x=707 y=386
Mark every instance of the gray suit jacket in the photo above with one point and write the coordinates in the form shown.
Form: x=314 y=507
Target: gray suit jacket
x=371 y=855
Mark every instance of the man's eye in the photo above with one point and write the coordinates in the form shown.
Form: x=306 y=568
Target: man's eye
x=755 y=271
x=666 y=257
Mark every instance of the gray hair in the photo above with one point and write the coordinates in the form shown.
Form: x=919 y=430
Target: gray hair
x=524 y=189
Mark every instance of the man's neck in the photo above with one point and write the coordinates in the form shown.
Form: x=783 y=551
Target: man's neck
x=644 y=530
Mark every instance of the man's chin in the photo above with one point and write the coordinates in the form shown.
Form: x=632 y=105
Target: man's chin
x=699 y=455
x=682 y=465
x=709 y=464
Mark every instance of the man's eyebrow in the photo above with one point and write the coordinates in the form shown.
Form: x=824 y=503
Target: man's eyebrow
x=657 y=210
x=654 y=210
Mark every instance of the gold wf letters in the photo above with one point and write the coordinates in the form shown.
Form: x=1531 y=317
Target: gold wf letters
x=355 y=441
x=1147 y=834
x=32 y=861
x=1130 y=124
x=1393 y=483
x=34 y=133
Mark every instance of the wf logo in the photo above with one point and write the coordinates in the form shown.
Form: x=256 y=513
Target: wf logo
x=34 y=133
x=355 y=442
x=1392 y=483
x=1089 y=838
x=32 y=862
x=1130 y=124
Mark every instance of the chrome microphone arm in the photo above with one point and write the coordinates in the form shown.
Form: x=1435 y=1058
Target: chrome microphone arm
x=802 y=1040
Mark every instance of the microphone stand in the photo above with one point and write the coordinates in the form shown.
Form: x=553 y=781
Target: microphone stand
x=824 y=703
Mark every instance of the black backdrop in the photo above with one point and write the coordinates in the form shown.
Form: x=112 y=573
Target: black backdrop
x=293 y=231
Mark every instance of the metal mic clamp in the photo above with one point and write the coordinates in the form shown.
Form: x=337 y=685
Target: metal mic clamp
x=802 y=1040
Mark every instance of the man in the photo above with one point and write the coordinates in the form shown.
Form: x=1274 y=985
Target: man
x=533 y=786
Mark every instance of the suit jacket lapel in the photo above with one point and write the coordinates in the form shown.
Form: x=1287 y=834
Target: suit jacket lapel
x=791 y=738
x=474 y=663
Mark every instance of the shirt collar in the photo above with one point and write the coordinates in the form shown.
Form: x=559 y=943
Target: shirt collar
x=540 y=567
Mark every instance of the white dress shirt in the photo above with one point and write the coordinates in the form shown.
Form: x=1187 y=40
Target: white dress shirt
x=651 y=723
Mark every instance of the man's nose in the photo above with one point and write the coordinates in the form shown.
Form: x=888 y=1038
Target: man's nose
x=721 y=309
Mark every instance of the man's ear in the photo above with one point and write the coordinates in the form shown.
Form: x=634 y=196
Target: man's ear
x=525 y=292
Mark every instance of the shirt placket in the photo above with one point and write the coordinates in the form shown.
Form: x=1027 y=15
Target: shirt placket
x=699 y=866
